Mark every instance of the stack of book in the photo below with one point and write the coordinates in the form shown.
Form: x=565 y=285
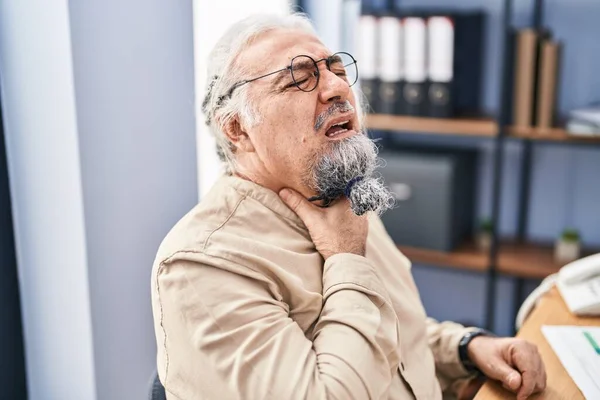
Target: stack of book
x=536 y=70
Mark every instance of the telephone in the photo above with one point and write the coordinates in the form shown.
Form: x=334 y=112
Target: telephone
x=578 y=283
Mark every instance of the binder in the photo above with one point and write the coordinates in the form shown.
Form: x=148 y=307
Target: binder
x=413 y=91
x=391 y=65
x=469 y=36
x=440 y=66
x=547 y=83
x=367 y=57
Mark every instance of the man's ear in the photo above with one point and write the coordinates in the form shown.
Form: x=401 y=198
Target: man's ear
x=238 y=136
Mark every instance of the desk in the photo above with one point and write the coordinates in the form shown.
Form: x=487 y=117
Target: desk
x=551 y=310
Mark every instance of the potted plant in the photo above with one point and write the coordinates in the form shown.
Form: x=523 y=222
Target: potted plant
x=484 y=235
x=568 y=246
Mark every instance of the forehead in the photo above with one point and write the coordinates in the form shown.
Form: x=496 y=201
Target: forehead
x=275 y=49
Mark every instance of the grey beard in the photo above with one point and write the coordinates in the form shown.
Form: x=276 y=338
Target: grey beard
x=347 y=169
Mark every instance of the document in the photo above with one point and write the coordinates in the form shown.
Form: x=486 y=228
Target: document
x=578 y=348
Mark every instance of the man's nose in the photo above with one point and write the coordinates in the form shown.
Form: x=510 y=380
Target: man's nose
x=332 y=87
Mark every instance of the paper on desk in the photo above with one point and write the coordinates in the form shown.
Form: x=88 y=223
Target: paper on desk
x=577 y=355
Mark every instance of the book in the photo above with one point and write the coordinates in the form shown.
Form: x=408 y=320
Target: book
x=524 y=77
x=547 y=83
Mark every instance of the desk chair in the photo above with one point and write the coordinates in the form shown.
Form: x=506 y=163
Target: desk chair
x=157 y=391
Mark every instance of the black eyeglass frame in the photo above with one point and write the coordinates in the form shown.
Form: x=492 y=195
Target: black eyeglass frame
x=289 y=67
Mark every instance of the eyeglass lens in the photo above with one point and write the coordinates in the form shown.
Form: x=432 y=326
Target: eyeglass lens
x=305 y=71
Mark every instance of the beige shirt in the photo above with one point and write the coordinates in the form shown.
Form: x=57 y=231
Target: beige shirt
x=245 y=308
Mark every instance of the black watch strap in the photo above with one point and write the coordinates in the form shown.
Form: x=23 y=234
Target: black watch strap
x=462 y=348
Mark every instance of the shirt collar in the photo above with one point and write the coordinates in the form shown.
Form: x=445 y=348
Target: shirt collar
x=265 y=196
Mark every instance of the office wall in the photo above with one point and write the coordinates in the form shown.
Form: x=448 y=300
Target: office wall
x=43 y=158
x=565 y=183
x=134 y=87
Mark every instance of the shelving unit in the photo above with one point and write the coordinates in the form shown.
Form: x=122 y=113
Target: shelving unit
x=551 y=134
x=467 y=257
x=483 y=127
x=520 y=259
x=486 y=127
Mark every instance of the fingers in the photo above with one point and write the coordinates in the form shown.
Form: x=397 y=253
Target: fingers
x=514 y=362
x=528 y=385
x=526 y=359
x=541 y=384
x=296 y=202
x=510 y=378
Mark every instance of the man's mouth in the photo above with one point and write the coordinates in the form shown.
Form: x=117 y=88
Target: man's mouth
x=338 y=129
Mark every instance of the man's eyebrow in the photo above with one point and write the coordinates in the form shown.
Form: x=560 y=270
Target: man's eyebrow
x=303 y=64
x=286 y=72
x=281 y=76
x=335 y=58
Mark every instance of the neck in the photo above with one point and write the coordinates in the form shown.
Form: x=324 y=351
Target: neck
x=267 y=180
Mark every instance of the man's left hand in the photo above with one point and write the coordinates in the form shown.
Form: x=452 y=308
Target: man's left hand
x=514 y=362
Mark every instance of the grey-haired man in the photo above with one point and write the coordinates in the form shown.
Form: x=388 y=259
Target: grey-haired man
x=283 y=283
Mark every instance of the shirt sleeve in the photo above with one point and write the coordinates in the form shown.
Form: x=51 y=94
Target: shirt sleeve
x=232 y=322
x=443 y=338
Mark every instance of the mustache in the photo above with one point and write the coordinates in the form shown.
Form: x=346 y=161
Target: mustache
x=337 y=107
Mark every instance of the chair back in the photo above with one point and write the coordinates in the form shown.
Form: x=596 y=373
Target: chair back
x=157 y=391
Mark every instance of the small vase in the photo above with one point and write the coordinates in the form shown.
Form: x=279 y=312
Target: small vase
x=566 y=251
x=484 y=241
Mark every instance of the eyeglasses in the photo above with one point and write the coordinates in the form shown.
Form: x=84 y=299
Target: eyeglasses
x=304 y=71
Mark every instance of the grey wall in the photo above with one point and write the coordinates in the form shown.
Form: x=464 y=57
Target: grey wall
x=134 y=85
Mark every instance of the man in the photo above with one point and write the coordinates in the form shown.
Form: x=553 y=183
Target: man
x=282 y=283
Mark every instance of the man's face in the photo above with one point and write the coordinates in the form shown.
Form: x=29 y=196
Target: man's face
x=285 y=142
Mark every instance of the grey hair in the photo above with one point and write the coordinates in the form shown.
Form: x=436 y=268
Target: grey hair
x=224 y=71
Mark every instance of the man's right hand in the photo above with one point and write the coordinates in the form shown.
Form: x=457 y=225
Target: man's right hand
x=335 y=229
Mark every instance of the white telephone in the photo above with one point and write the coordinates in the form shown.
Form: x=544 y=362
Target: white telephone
x=579 y=285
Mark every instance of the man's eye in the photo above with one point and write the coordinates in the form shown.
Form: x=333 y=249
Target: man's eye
x=297 y=83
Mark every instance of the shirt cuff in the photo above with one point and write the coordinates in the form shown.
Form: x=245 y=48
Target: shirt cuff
x=351 y=271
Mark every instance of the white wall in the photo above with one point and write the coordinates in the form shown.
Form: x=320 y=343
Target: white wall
x=211 y=20
x=43 y=157
x=99 y=111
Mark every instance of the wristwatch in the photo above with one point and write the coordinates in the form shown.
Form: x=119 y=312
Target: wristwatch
x=462 y=348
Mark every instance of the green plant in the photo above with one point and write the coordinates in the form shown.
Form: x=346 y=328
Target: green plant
x=486 y=225
x=570 y=235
